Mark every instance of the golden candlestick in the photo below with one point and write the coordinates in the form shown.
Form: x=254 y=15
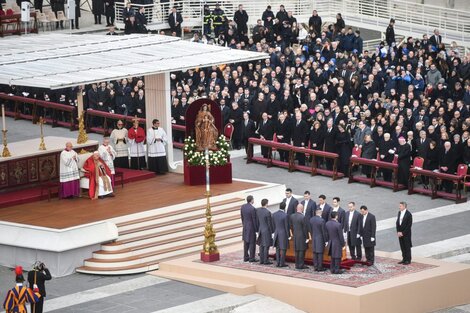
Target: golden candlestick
x=6 y=153
x=82 y=135
x=42 y=144
x=209 y=251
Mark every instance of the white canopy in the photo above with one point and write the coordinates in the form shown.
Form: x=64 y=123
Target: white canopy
x=58 y=60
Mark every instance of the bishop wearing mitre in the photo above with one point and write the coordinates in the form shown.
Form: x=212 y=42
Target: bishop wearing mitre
x=69 y=175
x=99 y=175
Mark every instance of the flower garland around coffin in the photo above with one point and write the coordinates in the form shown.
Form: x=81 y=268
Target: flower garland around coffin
x=220 y=170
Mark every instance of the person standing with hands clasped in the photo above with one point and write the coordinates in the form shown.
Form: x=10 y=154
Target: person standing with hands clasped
x=404 y=223
x=36 y=279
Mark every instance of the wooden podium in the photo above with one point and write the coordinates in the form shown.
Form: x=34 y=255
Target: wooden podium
x=290 y=253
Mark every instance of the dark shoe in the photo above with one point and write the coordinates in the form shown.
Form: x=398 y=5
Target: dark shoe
x=401 y=262
x=284 y=265
x=101 y=197
x=268 y=263
x=369 y=263
x=340 y=272
x=245 y=260
x=321 y=270
x=253 y=260
x=111 y=195
x=406 y=263
x=303 y=267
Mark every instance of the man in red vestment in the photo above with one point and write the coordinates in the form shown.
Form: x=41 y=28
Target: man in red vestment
x=99 y=175
x=136 y=135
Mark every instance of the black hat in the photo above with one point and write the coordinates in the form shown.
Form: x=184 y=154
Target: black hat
x=392 y=20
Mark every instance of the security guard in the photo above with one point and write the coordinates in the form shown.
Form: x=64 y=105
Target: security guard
x=207 y=20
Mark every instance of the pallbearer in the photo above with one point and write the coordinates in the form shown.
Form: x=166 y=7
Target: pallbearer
x=69 y=176
x=156 y=140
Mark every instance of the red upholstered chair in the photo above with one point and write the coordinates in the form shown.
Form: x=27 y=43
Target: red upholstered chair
x=228 y=133
x=462 y=170
x=356 y=152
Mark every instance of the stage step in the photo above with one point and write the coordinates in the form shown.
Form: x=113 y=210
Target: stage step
x=162 y=235
x=174 y=251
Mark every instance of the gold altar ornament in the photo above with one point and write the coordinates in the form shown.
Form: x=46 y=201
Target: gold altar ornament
x=42 y=144
x=209 y=251
x=82 y=135
x=5 y=153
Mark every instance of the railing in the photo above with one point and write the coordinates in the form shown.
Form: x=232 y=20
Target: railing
x=103 y=122
x=412 y=19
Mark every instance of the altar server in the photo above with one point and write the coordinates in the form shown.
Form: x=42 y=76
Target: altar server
x=107 y=154
x=156 y=140
x=136 y=136
x=69 y=175
x=119 y=140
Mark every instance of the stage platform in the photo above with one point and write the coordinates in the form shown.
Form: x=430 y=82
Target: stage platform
x=424 y=286
x=147 y=221
x=37 y=193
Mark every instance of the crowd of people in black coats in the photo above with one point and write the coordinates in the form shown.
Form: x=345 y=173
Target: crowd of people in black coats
x=322 y=90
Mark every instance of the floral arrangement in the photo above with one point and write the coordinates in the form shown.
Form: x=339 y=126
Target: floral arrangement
x=218 y=157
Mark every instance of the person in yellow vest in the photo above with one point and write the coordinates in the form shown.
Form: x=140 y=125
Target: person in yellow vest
x=17 y=297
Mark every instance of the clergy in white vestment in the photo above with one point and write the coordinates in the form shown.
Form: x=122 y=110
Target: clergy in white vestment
x=107 y=154
x=156 y=140
x=69 y=175
x=119 y=141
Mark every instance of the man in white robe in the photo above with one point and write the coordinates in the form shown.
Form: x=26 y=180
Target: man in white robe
x=156 y=140
x=119 y=140
x=99 y=176
x=107 y=154
x=69 y=175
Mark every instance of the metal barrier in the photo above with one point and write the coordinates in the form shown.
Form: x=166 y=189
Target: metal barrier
x=412 y=19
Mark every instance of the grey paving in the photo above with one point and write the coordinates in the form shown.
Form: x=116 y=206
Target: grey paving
x=145 y=300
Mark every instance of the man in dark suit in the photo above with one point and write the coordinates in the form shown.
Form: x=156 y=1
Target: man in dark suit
x=404 y=223
x=266 y=132
x=283 y=134
x=266 y=229
x=281 y=234
x=175 y=19
x=241 y=18
x=248 y=130
x=368 y=228
x=300 y=234
x=325 y=207
x=448 y=164
x=300 y=136
x=341 y=212
x=335 y=243
x=236 y=118
x=250 y=228
x=36 y=279
x=309 y=206
x=224 y=111
x=330 y=142
x=290 y=201
x=435 y=39
x=352 y=227
x=319 y=239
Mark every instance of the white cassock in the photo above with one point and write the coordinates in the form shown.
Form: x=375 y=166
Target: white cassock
x=68 y=166
x=119 y=140
x=108 y=154
x=156 y=140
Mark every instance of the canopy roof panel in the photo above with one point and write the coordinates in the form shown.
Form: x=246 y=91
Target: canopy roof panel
x=58 y=60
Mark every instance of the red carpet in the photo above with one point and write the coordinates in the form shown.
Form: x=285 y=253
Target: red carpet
x=358 y=275
x=33 y=194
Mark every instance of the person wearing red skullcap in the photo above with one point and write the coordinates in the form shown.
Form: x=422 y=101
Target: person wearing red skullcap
x=17 y=297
